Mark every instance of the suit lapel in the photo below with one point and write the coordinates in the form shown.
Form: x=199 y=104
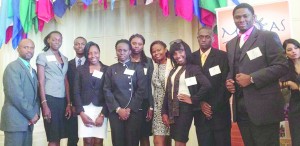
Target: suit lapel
x=198 y=58
x=247 y=46
x=210 y=59
x=72 y=65
x=65 y=61
x=27 y=72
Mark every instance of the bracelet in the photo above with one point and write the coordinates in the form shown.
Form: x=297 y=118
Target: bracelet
x=69 y=104
x=43 y=101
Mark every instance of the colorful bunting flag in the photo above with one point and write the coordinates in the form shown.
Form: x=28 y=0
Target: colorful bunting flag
x=184 y=9
x=27 y=15
x=44 y=11
x=5 y=20
x=236 y=2
x=148 y=2
x=164 y=5
x=212 y=4
x=17 y=27
x=112 y=4
x=59 y=8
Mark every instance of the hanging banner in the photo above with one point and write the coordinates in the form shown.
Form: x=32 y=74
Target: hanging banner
x=273 y=16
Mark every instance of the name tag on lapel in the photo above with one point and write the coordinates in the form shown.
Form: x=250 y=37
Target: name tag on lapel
x=254 y=53
x=51 y=58
x=190 y=81
x=97 y=74
x=128 y=72
x=145 y=71
x=214 y=70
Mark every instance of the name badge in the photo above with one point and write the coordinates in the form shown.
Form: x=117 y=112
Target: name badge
x=51 y=58
x=97 y=74
x=145 y=71
x=254 y=53
x=214 y=70
x=190 y=81
x=128 y=72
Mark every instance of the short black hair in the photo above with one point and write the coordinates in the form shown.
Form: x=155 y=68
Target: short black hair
x=80 y=37
x=123 y=41
x=243 y=5
x=290 y=41
x=180 y=45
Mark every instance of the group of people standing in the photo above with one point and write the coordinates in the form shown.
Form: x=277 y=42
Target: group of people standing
x=159 y=96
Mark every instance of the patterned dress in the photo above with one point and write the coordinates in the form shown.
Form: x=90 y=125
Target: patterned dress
x=158 y=83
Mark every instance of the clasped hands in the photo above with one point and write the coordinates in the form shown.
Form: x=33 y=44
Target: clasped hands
x=243 y=80
x=88 y=122
x=124 y=113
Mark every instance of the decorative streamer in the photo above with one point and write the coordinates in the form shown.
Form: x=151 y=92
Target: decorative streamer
x=184 y=9
x=236 y=2
x=112 y=4
x=5 y=21
x=148 y=2
x=164 y=6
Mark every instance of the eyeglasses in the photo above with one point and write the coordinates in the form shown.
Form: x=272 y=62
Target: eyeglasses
x=200 y=37
x=178 y=41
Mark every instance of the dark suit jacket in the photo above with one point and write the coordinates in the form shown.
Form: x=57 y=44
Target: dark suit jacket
x=148 y=98
x=263 y=99
x=84 y=90
x=21 y=97
x=218 y=96
x=71 y=76
x=119 y=86
x=198 y=92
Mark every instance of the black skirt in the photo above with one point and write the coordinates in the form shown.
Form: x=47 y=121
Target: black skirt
x=179 y=131
x=56 y=129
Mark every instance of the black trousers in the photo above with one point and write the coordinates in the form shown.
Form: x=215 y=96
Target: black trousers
x=255 y=135
x=72 y=130
x=207 y=135
x=125 y=133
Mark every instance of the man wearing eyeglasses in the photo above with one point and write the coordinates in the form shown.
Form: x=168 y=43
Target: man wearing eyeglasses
x=21 y=104
x=256 y=60
x=212 y=120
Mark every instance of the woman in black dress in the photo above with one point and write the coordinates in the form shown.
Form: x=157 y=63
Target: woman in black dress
x=292 y=49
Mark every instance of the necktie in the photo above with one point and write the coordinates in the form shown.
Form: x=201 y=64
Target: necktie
x=242 y=40
x=79 y=62
x=30 y=70
x=203 y=59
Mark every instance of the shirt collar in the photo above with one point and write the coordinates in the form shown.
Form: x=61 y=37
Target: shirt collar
x=26 y=63
x=206 y=52
x=248 y=32
x=82 y=59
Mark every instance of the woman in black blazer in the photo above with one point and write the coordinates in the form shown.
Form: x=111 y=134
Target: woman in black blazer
x=292 y=80
x=88 y=92
x=186 y=88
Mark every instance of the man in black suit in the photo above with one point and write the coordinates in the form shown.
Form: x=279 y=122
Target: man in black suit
x=72 y=126
x=256 y=61
x=213 y=122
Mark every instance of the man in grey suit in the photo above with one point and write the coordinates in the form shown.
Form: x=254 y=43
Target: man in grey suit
x=256 y=63
x=21 y=105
